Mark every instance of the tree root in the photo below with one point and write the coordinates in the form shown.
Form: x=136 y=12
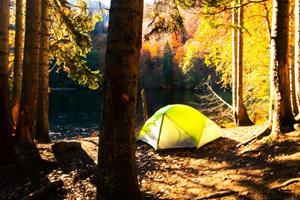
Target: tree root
x=265 y=132
x=38 y=194
x=286 y=183
x=219 y=194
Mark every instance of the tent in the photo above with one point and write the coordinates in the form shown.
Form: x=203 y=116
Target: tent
x=178 y=126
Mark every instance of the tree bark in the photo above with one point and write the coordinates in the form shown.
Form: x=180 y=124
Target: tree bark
x=27 y=119
x=5 y=147
x=282 y=117
x=234 y=60
x=117 y=167
x=17 y=81
x=293 y=89
x=42 y=132
x=297 y=52
x=242 y=115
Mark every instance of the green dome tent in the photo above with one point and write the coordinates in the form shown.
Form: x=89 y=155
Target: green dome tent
x=178 y=126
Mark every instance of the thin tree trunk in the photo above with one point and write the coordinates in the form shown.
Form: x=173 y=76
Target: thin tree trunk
x=293 y=89
x=17 y=82
x=117 y=167
x=269 y=32
x=286 y=108
x=268 y=23
x=282 y=113
x=144 y=104
x=242 y=115
x=234 y=60
x=27 y=119
x=5 y=147
x=297 y=52
x=42 y=133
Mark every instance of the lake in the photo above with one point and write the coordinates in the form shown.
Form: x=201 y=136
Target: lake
x=76 y=112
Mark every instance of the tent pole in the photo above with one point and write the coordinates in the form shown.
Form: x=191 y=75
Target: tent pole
x=162 y=121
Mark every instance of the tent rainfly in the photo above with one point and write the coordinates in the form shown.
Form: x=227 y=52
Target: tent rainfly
x=179 y=126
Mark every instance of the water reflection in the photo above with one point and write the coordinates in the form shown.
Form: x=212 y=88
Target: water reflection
x=78 y=111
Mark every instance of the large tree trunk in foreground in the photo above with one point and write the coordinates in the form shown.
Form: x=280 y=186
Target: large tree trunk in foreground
x=42 y=131
x=297 y=52
x=282 y=116
x=117 y=167
x=242 y=115
x=27 y=119
x=5 y=147
x=17 y=83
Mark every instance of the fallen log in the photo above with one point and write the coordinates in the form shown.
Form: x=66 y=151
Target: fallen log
x=286 y=183
x=38 y=194
x=219 y=194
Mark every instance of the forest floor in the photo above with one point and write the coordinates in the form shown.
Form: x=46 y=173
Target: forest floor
x=217 y=169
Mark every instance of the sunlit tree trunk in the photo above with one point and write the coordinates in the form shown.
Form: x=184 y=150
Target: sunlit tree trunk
x=42 y=132
x=282 y=117
x=17 y=82
x=117 y=167
x=297 y=52
x=242 y=115
x=293 y=88
x=27 y=119
x=5 y=147
x=234 y=59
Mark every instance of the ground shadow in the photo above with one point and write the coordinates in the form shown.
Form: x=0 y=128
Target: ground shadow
x=259 y=168
x=26 y=175
x=71 y=156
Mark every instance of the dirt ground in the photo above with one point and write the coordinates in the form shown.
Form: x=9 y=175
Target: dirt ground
x=218 y=168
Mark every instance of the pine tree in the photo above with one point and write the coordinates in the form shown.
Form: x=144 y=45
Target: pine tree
x=117 y=168
x=6 y=150
x=17 y=83
x=42 y=132
x=282 y=117
x=27 y=119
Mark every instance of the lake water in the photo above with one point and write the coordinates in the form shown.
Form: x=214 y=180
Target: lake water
x=76 y=112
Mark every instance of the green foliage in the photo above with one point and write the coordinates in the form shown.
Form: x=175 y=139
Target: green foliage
x=70 y=41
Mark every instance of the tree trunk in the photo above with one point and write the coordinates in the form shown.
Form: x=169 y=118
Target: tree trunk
x=42 y=131
x=117 y=167
x=297 y=52
x=17 y=82
x=282 y=113
x=268 y=23
x=234 y=60
x=27 y=119
x=242 y=115
x=293 y=89
x=5 y=147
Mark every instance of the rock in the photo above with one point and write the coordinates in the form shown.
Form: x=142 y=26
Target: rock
x=297 y=126
x=61 y=147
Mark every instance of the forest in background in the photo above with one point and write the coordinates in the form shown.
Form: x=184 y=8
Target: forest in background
x=180 y=60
